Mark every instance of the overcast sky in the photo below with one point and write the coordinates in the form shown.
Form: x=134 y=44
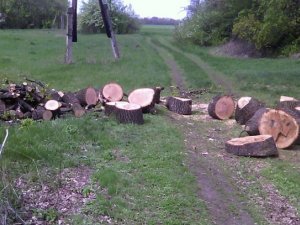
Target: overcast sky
x=159 y=8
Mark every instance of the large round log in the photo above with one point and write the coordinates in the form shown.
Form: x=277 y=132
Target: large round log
x=87 y=96
x=112 y=92
x=251 y=126
x=110 y=107
x=291 y=105
x=77 y=109
x=143 y=97
x=178 y=105
x=221 y=107
x=246 y=108
x=129 y=113
x=52 y=105
x=284 y=126
x=256 y=146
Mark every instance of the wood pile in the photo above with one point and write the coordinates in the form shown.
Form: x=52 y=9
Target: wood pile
x=282 y=123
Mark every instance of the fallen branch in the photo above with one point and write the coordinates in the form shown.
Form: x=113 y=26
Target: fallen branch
x=2 y=146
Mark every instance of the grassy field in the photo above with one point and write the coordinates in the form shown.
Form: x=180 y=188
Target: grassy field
x=139 y=174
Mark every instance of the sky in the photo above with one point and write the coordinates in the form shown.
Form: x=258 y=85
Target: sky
x=160 y=8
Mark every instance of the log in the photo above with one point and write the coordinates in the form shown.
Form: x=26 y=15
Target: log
x=291 y=105
x=178 y=105
x=221 y=107
x=255 y=146
x=143 y=97
x=87 y=96
x=129 y=113
x=78 y=110
x=251 y=126
x=157 y=92
x=246 y=108
x=52 y=105
x=40 y=113
x=112 y=92
x=25 y=107
x=284 y=126
x=287 y=98
x=110 y=107
x=2 y=106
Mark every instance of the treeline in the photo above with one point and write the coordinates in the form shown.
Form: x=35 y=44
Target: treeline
x=159 y=21
x=273 y=26
x=31 y=13
x=123 y=17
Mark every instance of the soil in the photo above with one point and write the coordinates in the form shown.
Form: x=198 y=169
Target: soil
x=225 y=192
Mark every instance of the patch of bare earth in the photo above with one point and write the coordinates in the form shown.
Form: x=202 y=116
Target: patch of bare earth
x=63 y=194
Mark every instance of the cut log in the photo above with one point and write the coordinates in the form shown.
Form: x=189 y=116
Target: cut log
x=291 y=105
x=255 y=146
x=284 y=126
x=221 y=107
x=2 y=106
x=70 y=98
x=157 y=91
x=251 y=126
x=129 y=113
x=55 y=95
x=52 y=105
x=112 y=92
x=287 y=98
x=178 y=105
x=78 y=110
x=41 y=114
x=246 y=108
x=87 y=96
x=143 y=97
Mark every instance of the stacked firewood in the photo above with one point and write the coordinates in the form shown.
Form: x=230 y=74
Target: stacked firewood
x=268 y=129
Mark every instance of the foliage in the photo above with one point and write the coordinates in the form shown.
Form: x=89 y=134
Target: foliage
x=273 y=26
x=123 y=18
x=30 y=13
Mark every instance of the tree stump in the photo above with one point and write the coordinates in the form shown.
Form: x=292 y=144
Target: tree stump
x=87 y=96
x=112 y=92
x=143 y=97
x=129 y=113
x=110 y=107
x=251 y=126
x=178 y=105
x=246 y=108
x=284 y=126
x=221 y=107
x=255 y=146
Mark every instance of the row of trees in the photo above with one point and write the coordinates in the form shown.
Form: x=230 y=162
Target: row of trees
x=31 y=13
x=272 y=25
x=159 y=21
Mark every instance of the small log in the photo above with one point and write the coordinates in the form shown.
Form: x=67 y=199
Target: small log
x=157 y=92
x=112 y=92
x=221 y=107
x=52 y=105
x=143 y=97
x=284 y=126
x=78 y=110
x=178 y=105
x=255 y=146
x=70 y=98
x=41 y=114
x=246 y=108
x=251 y=126
x=55 y=95
x=87 y=96
x=2 y=106
x=25 y=107
x=129 y=113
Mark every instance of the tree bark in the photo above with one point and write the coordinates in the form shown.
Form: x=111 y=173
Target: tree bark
x=221 y=107
x=246 y=108
x=251 y=126
x=255 y=146
x=178 y=105
x=129 y=113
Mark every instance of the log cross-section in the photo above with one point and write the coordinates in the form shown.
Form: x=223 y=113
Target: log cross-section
x=112 y=92
x=143 y=97
x=256 y=146
x=221 y=107
x=178 y=105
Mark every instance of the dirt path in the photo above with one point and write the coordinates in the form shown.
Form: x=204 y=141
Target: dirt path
x=219 y=185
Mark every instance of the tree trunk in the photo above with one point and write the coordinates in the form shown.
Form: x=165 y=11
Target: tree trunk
x=143 y=97
x=178 y=105
x=291 y=105
x=221 y=107
x=246 y=108
x=129 y=113
x=284 y=126
x=251 y=126
x=256 y=146
x=112 y=92
x=87 y=96
x=110 y=107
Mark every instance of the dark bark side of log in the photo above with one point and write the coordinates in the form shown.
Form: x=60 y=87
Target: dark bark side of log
x=54 y=95
x=2 y=107
x=87 y=96
x=41 y=114
x=242 y=115
x=221 y=107
x=283 y=125
x=157 y=92
x=70 y=98
x=251 y=126
x=134 y=116
x=291 y=105
x=78 y=110
x=109 y=108
x=255 y=146
x=182 y=106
